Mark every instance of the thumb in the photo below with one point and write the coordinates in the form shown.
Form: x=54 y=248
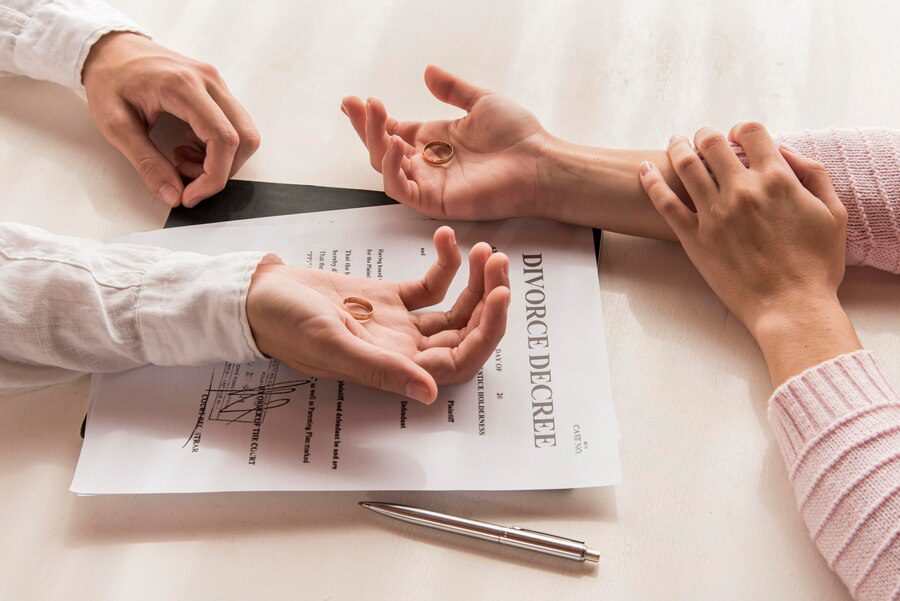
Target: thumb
x=370 y=365
x=449 y=88
x=128 y=134
x=814 y=177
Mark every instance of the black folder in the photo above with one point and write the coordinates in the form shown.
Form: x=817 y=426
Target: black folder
x=245 y=200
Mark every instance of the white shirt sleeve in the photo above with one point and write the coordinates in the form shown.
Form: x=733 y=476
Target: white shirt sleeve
x=50 y=39
x=69 y=306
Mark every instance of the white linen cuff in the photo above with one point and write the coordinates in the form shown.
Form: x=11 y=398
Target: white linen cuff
x=54 y=43
x=192 y=308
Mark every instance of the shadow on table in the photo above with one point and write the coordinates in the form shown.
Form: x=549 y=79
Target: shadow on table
x=54 y=123
x=41 y=432
x=684 y=312
x=105 y=520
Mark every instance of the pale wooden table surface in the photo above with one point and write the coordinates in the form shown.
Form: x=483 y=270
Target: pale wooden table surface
x=705 y=511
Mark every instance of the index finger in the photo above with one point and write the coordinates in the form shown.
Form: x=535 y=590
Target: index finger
x=209 y=122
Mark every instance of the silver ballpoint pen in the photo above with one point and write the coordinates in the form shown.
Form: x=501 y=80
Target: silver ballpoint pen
x=512 y=536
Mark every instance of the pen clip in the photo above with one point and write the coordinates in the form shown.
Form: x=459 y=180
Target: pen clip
x=547 y=534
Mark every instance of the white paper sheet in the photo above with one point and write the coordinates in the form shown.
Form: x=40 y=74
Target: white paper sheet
x=263 y=426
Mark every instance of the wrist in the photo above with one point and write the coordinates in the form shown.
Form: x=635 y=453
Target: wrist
x=563 y=169
x=797 y=334
x=258 y=304
x=114 y=43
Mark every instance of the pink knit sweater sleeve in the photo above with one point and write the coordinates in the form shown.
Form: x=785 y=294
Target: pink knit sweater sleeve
x=838 y=426
x=864 y=165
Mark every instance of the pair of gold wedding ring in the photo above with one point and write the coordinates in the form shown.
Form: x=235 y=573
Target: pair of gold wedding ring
x=358 y=307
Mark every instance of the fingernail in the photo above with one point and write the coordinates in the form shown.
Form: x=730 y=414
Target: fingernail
x=673 y=139
x=418 y=391
x=453 y=236
x=646 y=166
x=169 y=194
x=191 y=202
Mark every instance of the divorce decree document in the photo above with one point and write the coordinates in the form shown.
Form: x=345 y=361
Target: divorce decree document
x=538 y=415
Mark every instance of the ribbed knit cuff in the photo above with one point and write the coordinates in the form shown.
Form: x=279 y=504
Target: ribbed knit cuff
x=823 y=398
x=862 y=165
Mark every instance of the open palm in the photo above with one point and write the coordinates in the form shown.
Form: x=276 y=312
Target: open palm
x=296 y=316
x=493 y=174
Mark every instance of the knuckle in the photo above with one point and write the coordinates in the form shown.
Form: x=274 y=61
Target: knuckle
x=116 y=127
x=250 y=139
x=464 y=370
x=656 y=188
x=208 y=70
x=744 y=194
x=778 y=180
x=687 y=162
x=669 y=206
x=146 y=166
x=227 y=135
x=749 y=127
x=432 y=297
x=377 y=377
x=709 y=140
x=427 y=293
x=177 y=80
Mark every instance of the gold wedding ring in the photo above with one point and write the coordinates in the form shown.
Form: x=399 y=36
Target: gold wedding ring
x=351 y=304
x=440 y=160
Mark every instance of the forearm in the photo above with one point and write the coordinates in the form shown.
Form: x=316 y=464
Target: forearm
x=601 y=188
x=70 y=306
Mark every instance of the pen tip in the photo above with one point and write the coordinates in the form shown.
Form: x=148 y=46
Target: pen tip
x=364 y=504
